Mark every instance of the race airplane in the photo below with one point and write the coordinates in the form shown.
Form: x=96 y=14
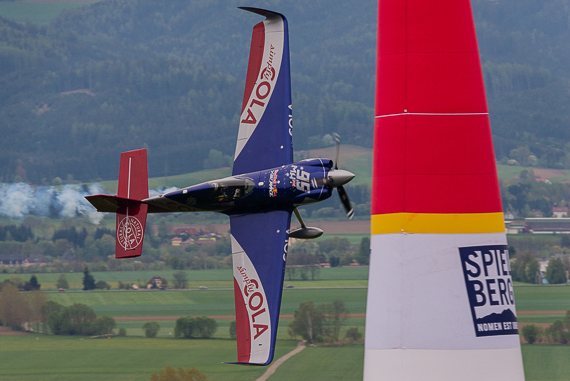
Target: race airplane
x=265 y=188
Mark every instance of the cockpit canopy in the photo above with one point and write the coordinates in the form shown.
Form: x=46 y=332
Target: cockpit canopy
x=230 y=188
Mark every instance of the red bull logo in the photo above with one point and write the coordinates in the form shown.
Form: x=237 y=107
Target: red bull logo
x=273 y=183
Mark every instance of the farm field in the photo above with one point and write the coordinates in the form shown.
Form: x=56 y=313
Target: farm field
x=132 y=358
x=220 y=278
x=69 y=358
x=129 y=358
x=195 y=302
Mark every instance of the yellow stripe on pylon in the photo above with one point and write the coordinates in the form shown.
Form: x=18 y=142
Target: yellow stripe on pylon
x=435 y=223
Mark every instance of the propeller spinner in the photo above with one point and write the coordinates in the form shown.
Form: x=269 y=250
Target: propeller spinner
x=338 y=177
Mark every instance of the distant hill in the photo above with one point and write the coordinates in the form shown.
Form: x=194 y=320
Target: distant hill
x=169 y=75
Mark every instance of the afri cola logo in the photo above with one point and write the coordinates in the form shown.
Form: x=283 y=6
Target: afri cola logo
x=255 y=301
x=262 y=90
x=490 y=289
x=129 y=233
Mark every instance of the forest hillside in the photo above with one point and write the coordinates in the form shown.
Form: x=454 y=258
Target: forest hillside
x=169 y=75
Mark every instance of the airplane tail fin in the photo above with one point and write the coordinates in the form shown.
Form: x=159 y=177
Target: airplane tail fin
x=131 y=219
x=131 y=212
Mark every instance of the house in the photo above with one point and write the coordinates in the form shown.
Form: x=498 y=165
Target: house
x=559 y=212
x=515 y=226
x=186 y=231
x=206 y=241
x=176 y=241
x=20 y=260
x=548 y=225
x=156 y=282
x=11 y=260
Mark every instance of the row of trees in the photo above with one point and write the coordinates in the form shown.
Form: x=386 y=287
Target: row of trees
x=525 y=196
x=305 y=257
x=556 y=333
x=23 y=311
x=526 y=268
x=321 y=323
x=195 y=327
x=77 y=248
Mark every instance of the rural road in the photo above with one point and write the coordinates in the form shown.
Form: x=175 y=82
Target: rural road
x=273 y=367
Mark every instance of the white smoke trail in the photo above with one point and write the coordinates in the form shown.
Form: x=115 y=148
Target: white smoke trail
x=19 y=200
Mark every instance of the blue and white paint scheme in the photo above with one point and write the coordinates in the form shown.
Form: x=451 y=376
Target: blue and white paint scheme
x=265 y=188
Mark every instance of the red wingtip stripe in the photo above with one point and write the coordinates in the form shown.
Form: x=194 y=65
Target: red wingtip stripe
x=255 y=58
x=243 y=332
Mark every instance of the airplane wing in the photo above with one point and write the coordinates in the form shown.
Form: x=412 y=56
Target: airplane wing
x=259 y=251
x=265 y=129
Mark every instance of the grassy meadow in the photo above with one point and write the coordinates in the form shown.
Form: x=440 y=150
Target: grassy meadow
x=220 y=278
x=39 y=357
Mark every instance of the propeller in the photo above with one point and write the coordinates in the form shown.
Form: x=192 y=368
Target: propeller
x=338 y=177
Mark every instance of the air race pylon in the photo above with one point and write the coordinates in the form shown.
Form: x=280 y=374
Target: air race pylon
x=440 y=299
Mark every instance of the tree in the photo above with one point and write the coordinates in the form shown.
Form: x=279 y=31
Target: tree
x=233 y=330
x=335 y=314
x=88 y=280
x=307 y=323
x=189 y=327
x=204 y=327
x=557 y=334
x=555 y=271
x=363 y=256
x=76 y=319
x=50 y=310
x=180 y=280
x=32 y=284
x=62 y=282
x=169 y=374
x=531 y=333
x=525 y=268
x=103 y=325
x=102 y=285
x=184 y=327
x=37 y=300
x=151 y=329
x=353 y=334
x=14 y=308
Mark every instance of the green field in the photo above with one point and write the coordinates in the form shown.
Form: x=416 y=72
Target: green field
x=535 y=298
x=132 y=358
x=221 y=278
x=195 y=302
x=70 y=358
x=135 y=357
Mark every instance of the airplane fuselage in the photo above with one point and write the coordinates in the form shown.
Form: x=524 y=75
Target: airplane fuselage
x=283 y=187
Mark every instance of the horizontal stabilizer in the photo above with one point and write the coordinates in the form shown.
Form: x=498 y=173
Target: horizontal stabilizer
x=110 y=204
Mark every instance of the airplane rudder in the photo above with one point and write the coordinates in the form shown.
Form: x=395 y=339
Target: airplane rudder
x=130 y=229
x=133 y=175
